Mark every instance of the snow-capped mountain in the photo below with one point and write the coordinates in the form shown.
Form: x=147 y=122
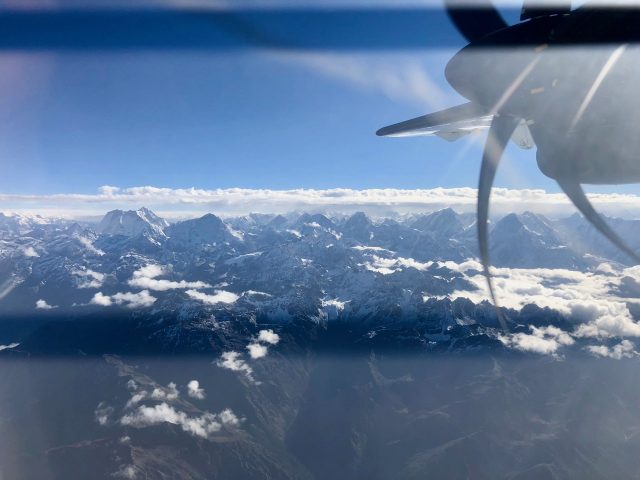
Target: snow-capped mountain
x=198 y=232
x=531 y=241
x=279 y=266
x=131 y=223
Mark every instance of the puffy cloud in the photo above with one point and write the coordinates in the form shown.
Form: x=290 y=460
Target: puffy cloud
x=587 y=298
x=103 y=413
x=149 y=271
x=126 y=471
x=232 y=361
x=194 y=390
x=168 y=393
x=624 y=349
x=146 y=409
x=387 y=266
x=201 y=426
x=89 y=278
x=43 y=305
x=608 y=325
x=134 y=300
x=257 y=350
x=137 y=398
x=239 y=201
x=101 y=299
x=544 y=340
x=163 y=285
x=128 y=299
x=268 y=336
x=30 y=252
x=220 y=296
x=334 y=303
x=145 y=277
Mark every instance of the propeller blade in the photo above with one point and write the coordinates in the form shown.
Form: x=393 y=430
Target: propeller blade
x=576 y=194
x=499 y=134
x=477 y=21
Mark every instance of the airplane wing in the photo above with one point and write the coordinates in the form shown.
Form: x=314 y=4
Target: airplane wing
x=454 y=123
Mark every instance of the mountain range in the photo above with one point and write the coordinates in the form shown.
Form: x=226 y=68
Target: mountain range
x=283 y=257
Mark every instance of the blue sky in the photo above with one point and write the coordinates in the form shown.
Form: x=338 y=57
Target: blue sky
x=75 y=121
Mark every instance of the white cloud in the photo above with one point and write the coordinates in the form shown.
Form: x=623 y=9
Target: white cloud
x=11 y=345
x=146 y=278
x=141 y=415
x=88 y=244
x=335 y=303
x=268 y=336
x=233 y=361
x=257 y=351
x=128 y=299
x=587 y=298
x=30 y=252
x=543 y=340
x=387 y=266
x=624 y=349
x=169 y=393
x=401 y=78
x=201 y=426
x=220 y=296
x=134 y=300
x=101 y=299
x=103 y=413
x=607 y=325
x=90 y=278
x=194 y=390
x=137 y=398
x=239 y=201
x=43 y=305
x=150 y=271
x=126 y=471
x=163 y=285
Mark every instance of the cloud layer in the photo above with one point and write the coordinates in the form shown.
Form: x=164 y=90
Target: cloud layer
x=236 y=201
x=597 y=302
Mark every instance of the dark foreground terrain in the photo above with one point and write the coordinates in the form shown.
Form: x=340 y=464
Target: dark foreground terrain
x=326 y=402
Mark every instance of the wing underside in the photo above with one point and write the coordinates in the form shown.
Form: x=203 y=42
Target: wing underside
x=454 y=123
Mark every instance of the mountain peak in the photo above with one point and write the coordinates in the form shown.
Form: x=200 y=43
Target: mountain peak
x=445 y=222
x=358 y=219
x=131 y=223
x=208 y=229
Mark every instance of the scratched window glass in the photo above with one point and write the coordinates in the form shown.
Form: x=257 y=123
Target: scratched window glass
x=274 y=239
